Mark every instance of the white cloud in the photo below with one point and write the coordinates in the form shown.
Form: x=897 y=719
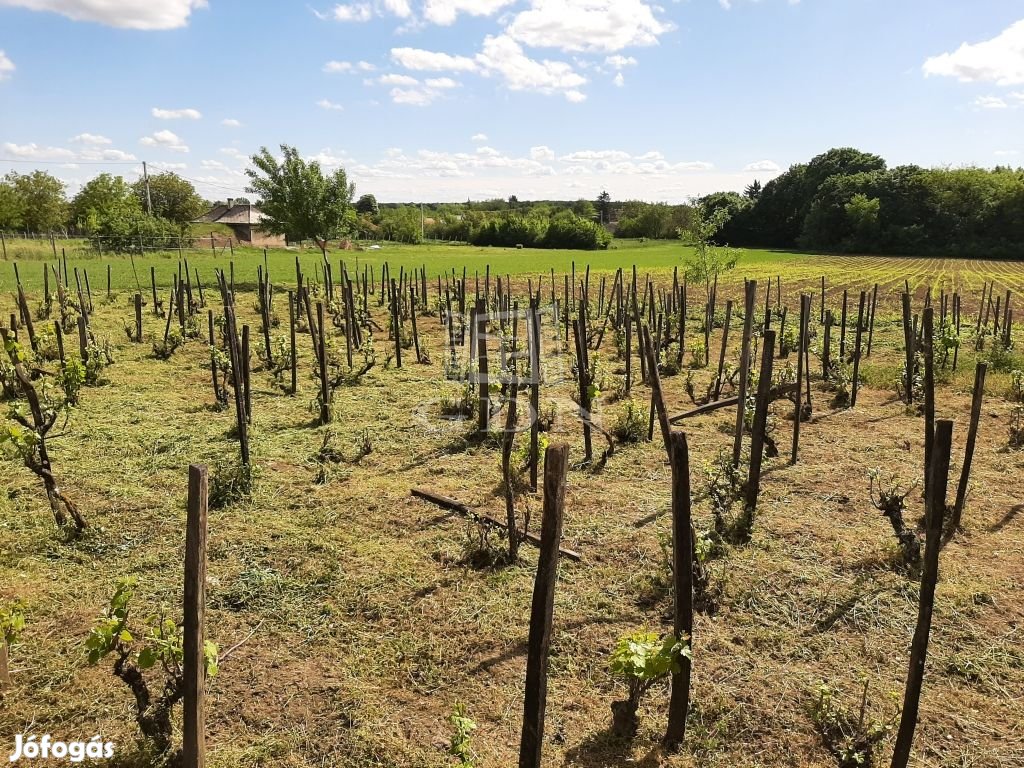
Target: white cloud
x=588 y=25
x=160 y=166
x=237 y=154
x=127 y=14
x=1006 y=152
x=619 y=80
x=34 y=152
x=166 y=140
x=353 y=12
x=107 y=155
x=92 y=139
x=399 y=8
x=444 y=12
x=230 y=122
x=441 y=82
x=6 y=66
x=620 y=62
x=432 y=61
x=990 y=102
x=336 y=67
x=478 y=137
x=176 y=114
x=392 y=79
x=417 y=97
x=762 y=166
x=541 y=153
x=589 y=156
x=329 y=105
x=999 y=60
x=504 y=56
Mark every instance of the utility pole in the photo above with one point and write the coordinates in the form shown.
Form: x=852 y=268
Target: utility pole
x=149 y=198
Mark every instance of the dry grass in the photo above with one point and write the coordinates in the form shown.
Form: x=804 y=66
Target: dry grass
x=368 y=626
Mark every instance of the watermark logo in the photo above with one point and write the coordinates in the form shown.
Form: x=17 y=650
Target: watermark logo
x=45 y=747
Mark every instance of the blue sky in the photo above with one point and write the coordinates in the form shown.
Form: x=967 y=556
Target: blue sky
x=456 y=99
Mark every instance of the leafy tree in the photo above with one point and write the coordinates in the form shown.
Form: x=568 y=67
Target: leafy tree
x=366 y=205
x=513 y=201
x=862 y=213
x=604 y=206
x=103 y=196
x=174 y=198
x=584 y=209
x=753 y=191
x=41 y=196
x=709 y=260
x=12 y=207
x=299 y=201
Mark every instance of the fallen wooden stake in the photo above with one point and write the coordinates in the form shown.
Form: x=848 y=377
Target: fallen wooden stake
x=458 y=507
x=775 y=394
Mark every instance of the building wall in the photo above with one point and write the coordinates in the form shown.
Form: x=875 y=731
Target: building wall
x=250 y=235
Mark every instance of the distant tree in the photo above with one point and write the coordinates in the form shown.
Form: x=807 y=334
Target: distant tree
x=753 y=191
x=105 y=195
x=709 y=260
x=12 y=207
x=367 y=205
x=604 y=206
x=41 y=196
x=862 y=213
x=298 y=199
x=584 y=209
x=174 y=198
x=512 y=202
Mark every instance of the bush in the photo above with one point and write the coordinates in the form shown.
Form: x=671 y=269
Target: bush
x=631 y=424
x=121 y=231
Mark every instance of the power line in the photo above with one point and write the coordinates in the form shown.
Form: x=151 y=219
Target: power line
x=69 y=162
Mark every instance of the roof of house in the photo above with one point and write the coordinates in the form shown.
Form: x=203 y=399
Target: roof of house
x=236 y=213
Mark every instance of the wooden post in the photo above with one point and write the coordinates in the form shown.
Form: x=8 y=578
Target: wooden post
x=138 y=318
x=908 y=345
x=656 y=393
x=321 y=349
x=291 y=328
x=396 y=324
x=556 y=462
x=213 y=356
x=412 y=315
x=805 y=310
x=83 y=339
x=936 y=499
x=871 y=322
x=764 y=383
x=152 y=282
x=483 y=404
x=721 y=354
x=194 y=662
x=856 y=348
x=748 y=328
x=246 y=378
x=842 y=328
x=972 y=436
x=927 y=322
x=682 y=578
x=535 y=374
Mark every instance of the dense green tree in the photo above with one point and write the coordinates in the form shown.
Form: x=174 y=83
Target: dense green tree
x=300 y=201
x=367 y=205
x=584 y=209
x=41 y=200
x=12 y=207
x=174 y=198
x=103 y=196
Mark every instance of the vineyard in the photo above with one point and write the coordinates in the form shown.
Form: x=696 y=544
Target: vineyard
x=487 y=507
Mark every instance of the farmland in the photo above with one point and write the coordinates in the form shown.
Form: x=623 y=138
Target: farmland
x=352 y=618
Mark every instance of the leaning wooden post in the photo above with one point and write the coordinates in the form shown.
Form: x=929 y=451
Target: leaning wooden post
x=655 y=382
x=682 y=577
x=741 y=405
x=936 y=496
x=972 y=436
x=535 y=375
x=395 y=323
x=246 y=374
x=194 y=662
x=856 y=348
x=724 y=348
x=83 y=339
x=556 y=463
x=908 y=345
x=764 y=383
x=321 y=351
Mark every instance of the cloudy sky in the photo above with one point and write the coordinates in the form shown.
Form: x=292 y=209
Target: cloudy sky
x=456 y=99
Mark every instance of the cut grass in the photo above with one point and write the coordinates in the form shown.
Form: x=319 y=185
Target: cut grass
x=368 y=625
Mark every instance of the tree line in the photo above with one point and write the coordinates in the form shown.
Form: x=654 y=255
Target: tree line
x=845 y=200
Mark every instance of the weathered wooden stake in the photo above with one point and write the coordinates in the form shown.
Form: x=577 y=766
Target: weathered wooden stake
x=194 y=664
x=972 y=436
x=764 y=384
x=556 y=463
x=682 y=579
x=936 y=500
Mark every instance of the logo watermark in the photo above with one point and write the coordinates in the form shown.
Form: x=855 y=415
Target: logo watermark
x=45 y=747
